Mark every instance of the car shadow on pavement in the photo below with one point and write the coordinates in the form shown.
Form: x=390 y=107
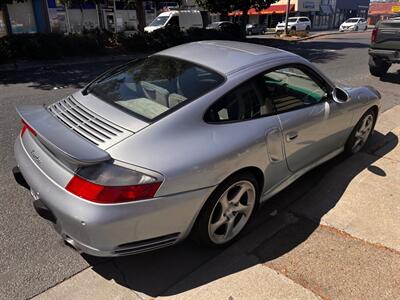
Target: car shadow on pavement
x=57 y=76
x=283 y=223
x=393 y=77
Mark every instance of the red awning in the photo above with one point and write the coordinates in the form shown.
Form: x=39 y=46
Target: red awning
x=273 y=9
x=382 y=8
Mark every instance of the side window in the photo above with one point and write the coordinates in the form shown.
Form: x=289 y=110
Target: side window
x=304 y=20
x=242 y=103
x=290 y=88
x=174 y=21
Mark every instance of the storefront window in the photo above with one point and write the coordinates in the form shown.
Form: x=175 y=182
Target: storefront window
x=3 y=30
x=22 y=18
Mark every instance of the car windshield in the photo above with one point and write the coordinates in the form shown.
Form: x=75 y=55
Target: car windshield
x=213 y=25
x=159 y=21
x=293 y=19
x=352 y=21
x=152 y=86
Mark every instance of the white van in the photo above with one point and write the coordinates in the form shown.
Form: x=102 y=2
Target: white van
x=184 y=19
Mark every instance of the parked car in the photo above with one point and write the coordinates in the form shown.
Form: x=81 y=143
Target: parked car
x=354 y=24
x=221 y=25
x=295 y=24
x=183 y=19
x=385 y=46
x=252 y=29
x=188 y=141
x=229 y=28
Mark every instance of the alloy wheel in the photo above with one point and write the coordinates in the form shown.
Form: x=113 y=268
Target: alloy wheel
x=362 y=134
x=231 y=212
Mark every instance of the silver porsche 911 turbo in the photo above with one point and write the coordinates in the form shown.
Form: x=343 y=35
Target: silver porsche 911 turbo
x=187 y=141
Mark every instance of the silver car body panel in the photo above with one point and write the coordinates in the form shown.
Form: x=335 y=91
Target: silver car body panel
x=192 y=156
x=100 y=229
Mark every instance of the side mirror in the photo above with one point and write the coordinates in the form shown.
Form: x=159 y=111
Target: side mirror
x=339 y=95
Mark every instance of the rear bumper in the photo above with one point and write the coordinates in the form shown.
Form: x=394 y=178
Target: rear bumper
x=388 y=55
x=109 y=230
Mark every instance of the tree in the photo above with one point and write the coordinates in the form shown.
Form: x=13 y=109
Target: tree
x=226 y=6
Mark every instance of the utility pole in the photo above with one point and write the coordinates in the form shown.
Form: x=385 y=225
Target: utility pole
x=6 y=16
x=287 y=17
x=115 y=16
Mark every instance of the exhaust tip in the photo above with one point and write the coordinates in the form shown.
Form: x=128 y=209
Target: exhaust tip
x=71 y=243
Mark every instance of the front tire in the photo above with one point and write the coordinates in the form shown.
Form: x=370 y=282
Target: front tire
x=361 y=133
x=378 y=67
x=227 y=211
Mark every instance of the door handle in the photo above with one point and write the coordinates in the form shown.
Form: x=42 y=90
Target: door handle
x=291 y=136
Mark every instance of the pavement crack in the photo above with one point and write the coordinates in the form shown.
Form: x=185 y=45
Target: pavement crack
x=302 y=284
x=124 y=279
x=58 y=283
x=348 y=235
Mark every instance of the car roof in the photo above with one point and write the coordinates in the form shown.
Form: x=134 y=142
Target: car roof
x=225 y=57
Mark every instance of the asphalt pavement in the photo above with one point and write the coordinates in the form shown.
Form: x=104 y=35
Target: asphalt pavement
x=33 y=258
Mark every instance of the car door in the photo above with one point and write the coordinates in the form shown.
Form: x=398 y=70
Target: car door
x=365 y=27
x=303 y=23
x=312 y=125
x=246 y=114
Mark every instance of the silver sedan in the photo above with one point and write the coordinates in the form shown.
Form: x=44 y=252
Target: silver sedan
x=188 y=141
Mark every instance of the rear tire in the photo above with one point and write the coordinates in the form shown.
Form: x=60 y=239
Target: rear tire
x=224 y=216
x=378 y=67
x=361 y=133
x=308 y=29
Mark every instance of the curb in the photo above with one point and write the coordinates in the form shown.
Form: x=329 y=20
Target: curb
x=327 y=34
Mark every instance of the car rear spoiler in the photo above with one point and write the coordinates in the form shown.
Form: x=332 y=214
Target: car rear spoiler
x=60 y=139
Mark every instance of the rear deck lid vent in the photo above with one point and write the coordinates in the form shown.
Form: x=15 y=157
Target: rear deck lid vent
x=87 y=124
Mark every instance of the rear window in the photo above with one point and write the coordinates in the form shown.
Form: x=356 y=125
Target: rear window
x=152 y=87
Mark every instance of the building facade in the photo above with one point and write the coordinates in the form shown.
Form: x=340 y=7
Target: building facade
x=346 y=9
x=381 y=11
x=324 y=14
x=32 y=16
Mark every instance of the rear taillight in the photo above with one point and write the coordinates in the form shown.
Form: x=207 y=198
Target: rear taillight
x=26 y=127
x=111 y=194
x=109 y=184
x=374 y=35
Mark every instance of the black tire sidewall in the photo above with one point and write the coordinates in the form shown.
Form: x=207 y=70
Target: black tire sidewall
x=200 y=229
x=377 y=66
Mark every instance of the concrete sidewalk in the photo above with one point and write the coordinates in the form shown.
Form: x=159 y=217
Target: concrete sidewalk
x=339 y=239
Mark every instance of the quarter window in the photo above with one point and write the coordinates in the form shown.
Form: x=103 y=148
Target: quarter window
x=290 y=88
